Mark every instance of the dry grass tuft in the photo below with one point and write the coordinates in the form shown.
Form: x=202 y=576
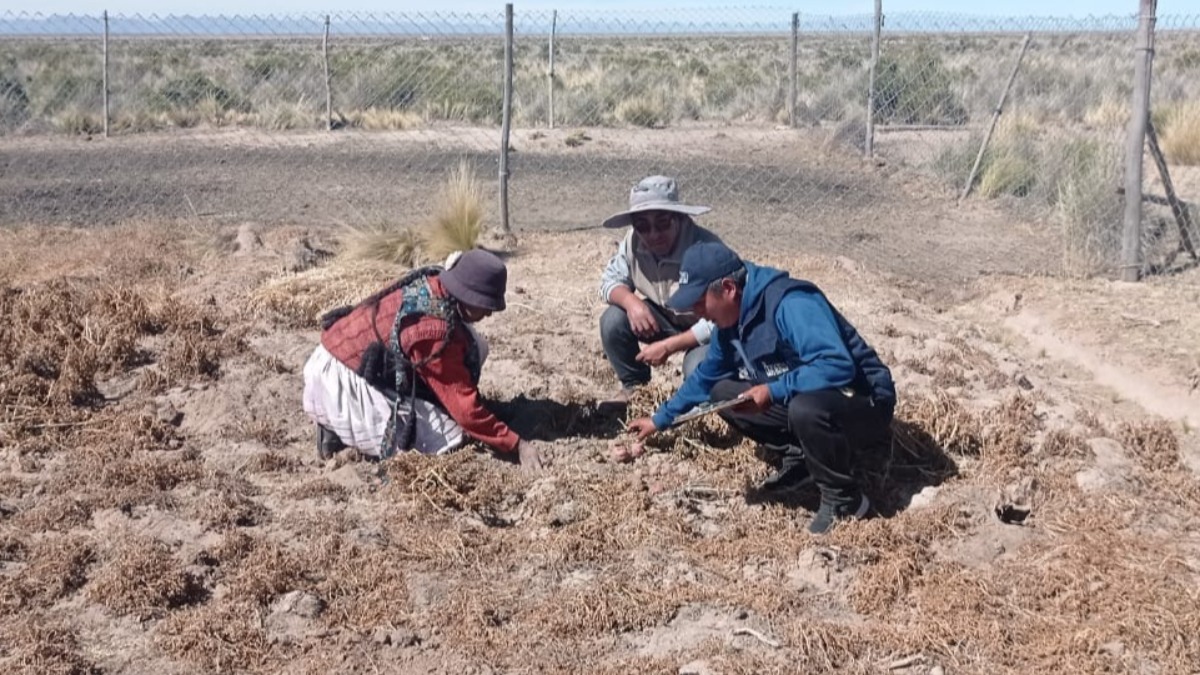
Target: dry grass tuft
x=1152 y=442
x=266 y=571
x=1180 y=134
x=458 y=215
x=381 y=243
x=140 y=577
x=299 y=300
x=940 y=419
x=39 y=644
x=57 y=567
x=272 y=461
x=1063 y=443
x=319 y=488
x=218 y=636
x=365 y=588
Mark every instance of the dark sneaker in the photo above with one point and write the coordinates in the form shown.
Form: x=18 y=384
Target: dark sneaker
x=829 y=514
x=328 y=443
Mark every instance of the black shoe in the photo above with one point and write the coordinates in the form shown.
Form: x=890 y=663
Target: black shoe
x=328 y=443
x=829 y=514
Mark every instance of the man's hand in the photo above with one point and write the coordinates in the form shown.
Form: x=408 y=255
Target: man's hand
x=641 y=319
x=529 y=456
x=656 y=353
x=641 y=427
x=758 y=399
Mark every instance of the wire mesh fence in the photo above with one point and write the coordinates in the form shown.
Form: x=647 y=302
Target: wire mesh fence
x=760 y=112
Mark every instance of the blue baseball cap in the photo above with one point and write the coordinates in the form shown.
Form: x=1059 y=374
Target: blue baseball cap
x=702 y=264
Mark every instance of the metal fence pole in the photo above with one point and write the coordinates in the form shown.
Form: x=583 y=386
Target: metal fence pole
x=506 y=123
x=1131 y=241
x=328 y=90
x=792 y=70
x=869 y=149
x=553 y=26
x=995 y=118
x=105 y=84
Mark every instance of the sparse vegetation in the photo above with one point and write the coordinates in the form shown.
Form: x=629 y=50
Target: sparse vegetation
x=1179 y=127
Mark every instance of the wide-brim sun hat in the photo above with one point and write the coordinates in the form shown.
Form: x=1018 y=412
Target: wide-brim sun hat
x=654 y=193
x=477 y=278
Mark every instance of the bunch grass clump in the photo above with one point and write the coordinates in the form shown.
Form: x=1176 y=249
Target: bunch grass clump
x=458 y=215
x=1180 y=133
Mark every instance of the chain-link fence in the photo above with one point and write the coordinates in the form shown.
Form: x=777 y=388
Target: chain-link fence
x=760 y=112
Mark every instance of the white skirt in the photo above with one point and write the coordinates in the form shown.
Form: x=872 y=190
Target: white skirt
x=339 y=399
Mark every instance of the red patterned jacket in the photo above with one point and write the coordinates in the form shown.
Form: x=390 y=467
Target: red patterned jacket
x=447 y=375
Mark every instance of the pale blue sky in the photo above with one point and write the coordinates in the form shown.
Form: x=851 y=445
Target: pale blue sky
x=1057 y=8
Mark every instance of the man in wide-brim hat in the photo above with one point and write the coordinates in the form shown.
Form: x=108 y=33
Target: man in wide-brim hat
x=638 y=330
x=400 y=370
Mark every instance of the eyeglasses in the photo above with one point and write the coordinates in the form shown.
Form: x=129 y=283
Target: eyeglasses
x=658 y=225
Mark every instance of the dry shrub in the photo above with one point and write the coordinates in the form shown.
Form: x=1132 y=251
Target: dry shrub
x=57 y=338
x=458 y=214
x=462 y=481
x=1063 y=443
x=56 y=513
x=894 y=553
x=267 y=430
x=381 y=243
x=1180 y=134
x=36 y=643
x=365 y=588
x=941 y=419
x=299 y=300
x=383 y=119
x=222 y=636
x=57 y=567
x=140 y=577
x=1152 y=442
x=266 y=571
x=223 y=509
x=1009 y=431
x=318 y=488
x=613 y=603
x=234 y=547
x=271 y=462
x=12 y=548
x=108 y=479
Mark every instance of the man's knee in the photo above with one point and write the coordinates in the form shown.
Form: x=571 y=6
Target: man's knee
x=727 y=389
x=613 y=322
x=806 y=414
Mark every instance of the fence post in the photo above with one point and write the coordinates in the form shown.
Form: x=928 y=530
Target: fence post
x=328 y=90
x=1183 y=217
x=792 y=70
x=1139 y=115
x=995 y=118
x=506 y=122
x=105 y=85
x=553 y=27
x=869 y=149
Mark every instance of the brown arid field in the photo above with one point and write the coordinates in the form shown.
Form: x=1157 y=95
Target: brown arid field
x=162 y=508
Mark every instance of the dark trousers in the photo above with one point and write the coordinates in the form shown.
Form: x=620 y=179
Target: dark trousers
x=621 y=345
x=827 y=426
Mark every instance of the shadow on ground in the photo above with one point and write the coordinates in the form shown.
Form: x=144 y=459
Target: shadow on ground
x=549 y=420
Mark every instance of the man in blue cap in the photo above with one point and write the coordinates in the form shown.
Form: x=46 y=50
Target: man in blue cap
x=814 y=389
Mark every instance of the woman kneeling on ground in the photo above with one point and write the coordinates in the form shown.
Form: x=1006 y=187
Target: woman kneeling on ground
x=400 y=370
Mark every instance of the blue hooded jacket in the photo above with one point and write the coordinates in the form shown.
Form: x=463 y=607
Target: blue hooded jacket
x=789 y=337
